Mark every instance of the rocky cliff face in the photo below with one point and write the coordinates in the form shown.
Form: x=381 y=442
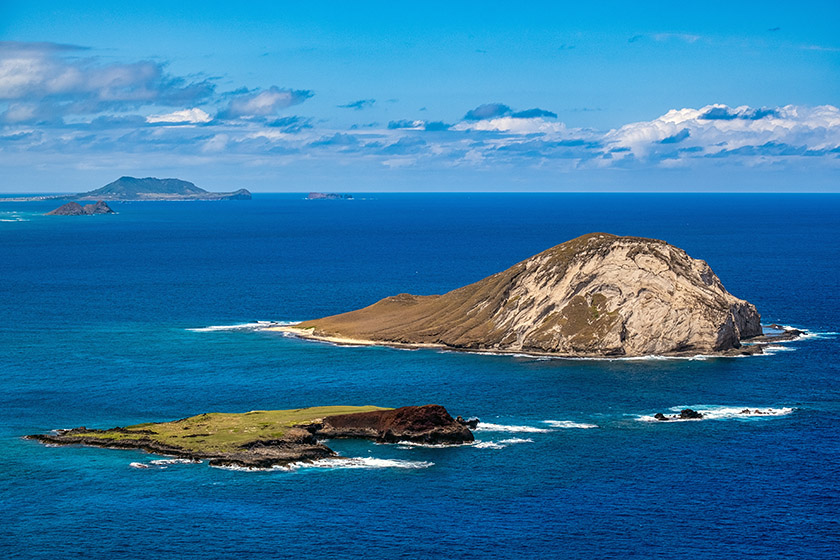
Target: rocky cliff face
x=597 y=295
x=427 y=424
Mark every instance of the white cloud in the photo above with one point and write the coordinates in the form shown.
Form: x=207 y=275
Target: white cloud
x=194 y=116
x=54 y=86
x=513 y=125
x=264 y=103
x=718 y=129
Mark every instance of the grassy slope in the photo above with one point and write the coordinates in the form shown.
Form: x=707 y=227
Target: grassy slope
x=222 y=432
x=462 y=317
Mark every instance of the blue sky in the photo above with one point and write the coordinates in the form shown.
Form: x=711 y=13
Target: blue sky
x=432 y=96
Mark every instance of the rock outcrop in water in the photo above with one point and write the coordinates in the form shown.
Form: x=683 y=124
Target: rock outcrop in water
x=598 y=295
x=422 y=424
x=76 y=209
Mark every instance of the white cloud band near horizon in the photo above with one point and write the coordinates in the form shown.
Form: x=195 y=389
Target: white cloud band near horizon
x=58 y=113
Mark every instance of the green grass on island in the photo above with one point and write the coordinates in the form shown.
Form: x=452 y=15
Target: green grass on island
x=223 y=432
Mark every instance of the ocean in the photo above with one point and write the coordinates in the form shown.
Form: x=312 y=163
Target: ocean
x=105 y=321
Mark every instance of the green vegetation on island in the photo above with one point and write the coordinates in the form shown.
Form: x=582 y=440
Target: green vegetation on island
x=267 y=438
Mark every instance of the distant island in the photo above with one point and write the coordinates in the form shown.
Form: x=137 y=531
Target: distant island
x=268 y=438
x=328 y=196
x=146 y=189
x=599 y=295
x=151 y=188
x=76 y=209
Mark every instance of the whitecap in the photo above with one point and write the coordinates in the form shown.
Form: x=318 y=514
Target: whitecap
x=714 y=412
x=255 y=326
x=501 y=444
x=174 y=461
x=569 y=424
x=488 y=427
x=136 y=465
x=246 y=469
x=336 y=463
x=360 y=463
x=775 y=349
x=407 y=444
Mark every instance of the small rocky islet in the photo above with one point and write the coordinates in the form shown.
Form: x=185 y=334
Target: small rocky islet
x=270 y=438
x=76 y=209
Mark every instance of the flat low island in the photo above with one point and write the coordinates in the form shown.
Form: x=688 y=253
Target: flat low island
x=271 y=438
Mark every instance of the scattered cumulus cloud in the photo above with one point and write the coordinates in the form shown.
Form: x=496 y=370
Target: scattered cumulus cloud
x=737 y=132
x=290 y=125
x=264 y=103
x=535 y=113
x=487 y=111
x=58 y=101
x=190 y=116
x=359 y=104
x=40 y=83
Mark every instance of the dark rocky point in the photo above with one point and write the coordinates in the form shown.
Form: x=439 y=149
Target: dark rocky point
x=423 y=424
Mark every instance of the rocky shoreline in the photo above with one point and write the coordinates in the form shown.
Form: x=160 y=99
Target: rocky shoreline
x=278 y=445
x=750 y=347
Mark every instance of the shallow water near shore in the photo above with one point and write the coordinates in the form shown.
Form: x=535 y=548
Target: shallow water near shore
x=116 y=320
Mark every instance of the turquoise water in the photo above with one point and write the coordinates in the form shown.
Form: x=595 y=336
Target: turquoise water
x=96 y=319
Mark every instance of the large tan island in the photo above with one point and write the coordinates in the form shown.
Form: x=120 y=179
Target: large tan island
x=599 y=295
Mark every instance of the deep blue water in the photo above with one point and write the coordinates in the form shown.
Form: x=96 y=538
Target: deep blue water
x=94 y=319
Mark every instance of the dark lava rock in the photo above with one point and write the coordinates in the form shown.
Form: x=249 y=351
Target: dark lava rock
x=472 y=423
x=688 y=414
x=660 y=416
x=425 y=424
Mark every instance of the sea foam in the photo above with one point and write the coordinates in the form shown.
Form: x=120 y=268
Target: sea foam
x=337 y=463
x=501 y=444
x=255 y=326
x=714 y=412
x=565 y=424
x=488 y=427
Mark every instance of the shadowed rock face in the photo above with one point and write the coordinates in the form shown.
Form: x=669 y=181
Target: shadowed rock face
x=596 y=295
x=426 y=424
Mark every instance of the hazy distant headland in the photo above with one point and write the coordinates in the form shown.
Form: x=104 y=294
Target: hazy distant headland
x=148 y=188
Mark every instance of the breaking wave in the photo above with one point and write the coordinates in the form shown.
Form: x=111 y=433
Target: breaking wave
x=338 y=463
x=501 y=444
x=569 y=424
x=488 y=427
x=174 y=462
x=163 y=463
x=407 y=444
x=712 y=412
x=255 y=326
